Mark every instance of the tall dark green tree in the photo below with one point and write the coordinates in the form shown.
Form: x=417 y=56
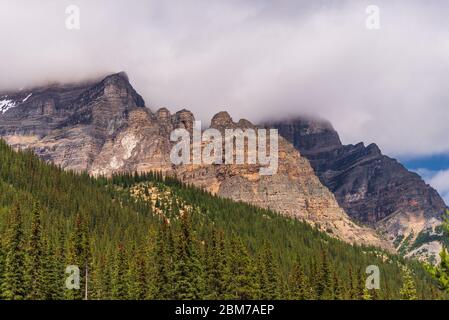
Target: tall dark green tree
x=160 y=253
x=299 y=284
x=79 y=255
x=218 y=272
x=35 y=272
x=137 y=276
x=408 y=290
x=188 y=273
x=269 y=277
x=119 y=278
x=14 y=282
x=245 y=283
x=324 y=278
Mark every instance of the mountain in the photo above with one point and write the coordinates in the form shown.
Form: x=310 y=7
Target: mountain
x=372 y=188
x=103 y=127
x=149 y=237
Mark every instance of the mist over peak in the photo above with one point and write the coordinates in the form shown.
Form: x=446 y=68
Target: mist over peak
x=261 y=60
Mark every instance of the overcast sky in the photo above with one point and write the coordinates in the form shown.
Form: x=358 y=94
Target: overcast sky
x=257 y=59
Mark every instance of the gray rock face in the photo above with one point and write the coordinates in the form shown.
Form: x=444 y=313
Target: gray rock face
x=372 y=188
x=104 y=127
x=68 y=124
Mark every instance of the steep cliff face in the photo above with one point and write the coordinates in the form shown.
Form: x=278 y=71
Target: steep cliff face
x=68 y=124
x=371 y=187
x=103 y=127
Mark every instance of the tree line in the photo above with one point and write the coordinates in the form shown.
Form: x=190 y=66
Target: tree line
x=126 y=249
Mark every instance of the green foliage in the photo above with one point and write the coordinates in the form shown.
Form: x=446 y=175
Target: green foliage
x=14 y=284
x=188 y=244
x=408 y=291
x=441 y=272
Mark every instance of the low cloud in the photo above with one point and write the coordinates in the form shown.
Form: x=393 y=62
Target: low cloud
x=441 y=182
x=258 y=59
x=437 y=179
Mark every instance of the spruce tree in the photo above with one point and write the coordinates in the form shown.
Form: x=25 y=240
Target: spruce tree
x=137 y=276
x=35 y=258
x=188 y=276
x=299 y=286
x=119 y=280
x=217 y=268
x=160 y=263
x=14 y=282
x=366 y=294
x=245 y=284
x=408 y=291
x=324 y=278
x=337 y=289
x=79 y=255
x=268 y=271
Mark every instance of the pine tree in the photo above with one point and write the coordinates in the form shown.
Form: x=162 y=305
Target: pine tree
x=299 y=286
x=102 y=276
x=324 y=279
x=14 y=282
x=137 y=275
x=360 y=286
x=2 y=264
x=188 y=274
x=51 y=272
x=352 y=291
x=337 y=290
x=119 y=283
x=160 y=262
x=35 y=264
x=79 y=255
x=441 y=272
x=366 y=294
x=217 y=268
x=408 y=291
x=245 y=284
x=270 y=283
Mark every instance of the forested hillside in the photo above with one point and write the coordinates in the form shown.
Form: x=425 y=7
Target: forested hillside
x=149 y=237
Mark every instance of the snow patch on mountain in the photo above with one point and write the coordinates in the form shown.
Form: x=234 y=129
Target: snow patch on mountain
x=27 y=97
x=6 y=104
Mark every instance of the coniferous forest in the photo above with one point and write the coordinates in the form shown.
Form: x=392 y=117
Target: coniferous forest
x=151 y=237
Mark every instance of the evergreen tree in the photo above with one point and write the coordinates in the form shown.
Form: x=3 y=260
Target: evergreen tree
x=160 y=263
x=79 y=255
x=35 y=264
x=218 y=271
x=408 y=291
x=244 y=284
x=337 y=289
x=441 y=272
x=324 y=279
x=188 y=274
x=137 y=275
x=119 y=283
x=14 y=282
x=366 y=294
x=299 y=286
x=360 y=286
x=269 y=284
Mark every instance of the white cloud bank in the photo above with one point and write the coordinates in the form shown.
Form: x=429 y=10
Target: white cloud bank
x=437 y=179
x=258 y=59
x=441 y=182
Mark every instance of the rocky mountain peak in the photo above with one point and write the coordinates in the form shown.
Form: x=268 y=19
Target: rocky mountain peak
x=243 y=123
x=372 y=188
x=183 y=119
x=163 y=114
x=103 y=128
x=221 y=120
x=307 y=134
